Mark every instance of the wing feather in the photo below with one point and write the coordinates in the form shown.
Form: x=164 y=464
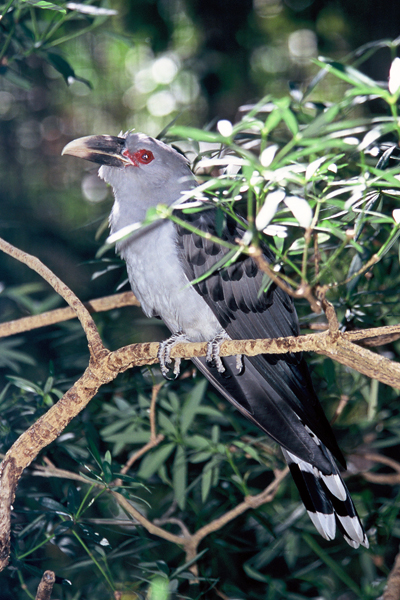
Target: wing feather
x=275 y=391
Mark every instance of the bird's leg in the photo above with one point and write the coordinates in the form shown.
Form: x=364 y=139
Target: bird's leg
x=164 y=354
x=213 y=349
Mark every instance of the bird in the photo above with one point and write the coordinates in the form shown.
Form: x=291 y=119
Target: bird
x=182 y=272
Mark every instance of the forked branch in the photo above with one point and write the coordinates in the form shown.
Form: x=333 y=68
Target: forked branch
x=104 y=366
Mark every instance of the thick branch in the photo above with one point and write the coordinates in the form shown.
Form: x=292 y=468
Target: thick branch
x=46 y=586
x=392 y=591
x=339 y=347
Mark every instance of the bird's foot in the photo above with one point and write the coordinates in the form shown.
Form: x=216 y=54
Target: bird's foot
x=213 y=350
x=164 y=355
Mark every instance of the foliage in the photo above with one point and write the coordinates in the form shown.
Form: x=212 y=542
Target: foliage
x=27 y=32
x=319 y=182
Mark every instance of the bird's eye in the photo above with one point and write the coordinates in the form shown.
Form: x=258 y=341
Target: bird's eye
x=144 y=156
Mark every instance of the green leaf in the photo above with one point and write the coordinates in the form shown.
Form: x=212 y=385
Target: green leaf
x=364 y=84
x=198 y=135
x=26 y=385
x=63 y=67
x=189 y=409
x=165 y=423
x=191 y=562
x=179 y=476
x=45 y=5
x=200 y=457
x=94 y=450
x=248 y=449
x=153 y=461
x=15 y=78
x=273 y=119
x=11 y=358
x=254 y=574
x=206 y=479
x=198 y=442
x=54 y=506
x=107 y=471
x=215 y=434
x=290 y=121
x=332 y=564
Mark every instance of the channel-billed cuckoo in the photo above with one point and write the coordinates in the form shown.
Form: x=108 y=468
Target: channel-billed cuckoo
x=231 y=302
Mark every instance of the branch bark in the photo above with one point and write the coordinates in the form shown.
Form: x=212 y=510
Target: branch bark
x=65 y=314
x=46 y=586
x=392 y=591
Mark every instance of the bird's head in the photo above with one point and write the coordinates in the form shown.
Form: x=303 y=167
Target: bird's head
x=137 y=166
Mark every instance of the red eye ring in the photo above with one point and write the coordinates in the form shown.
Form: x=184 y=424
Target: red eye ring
x=142 y=156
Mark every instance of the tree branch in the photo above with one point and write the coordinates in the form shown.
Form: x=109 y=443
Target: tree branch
x=93 y=337
x=392 y=591
x=64 y=314
x=46 y=586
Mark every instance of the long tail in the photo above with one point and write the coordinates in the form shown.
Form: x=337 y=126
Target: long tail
x=327 y=499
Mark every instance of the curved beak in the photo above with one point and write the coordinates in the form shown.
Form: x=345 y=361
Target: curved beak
x=102 y=149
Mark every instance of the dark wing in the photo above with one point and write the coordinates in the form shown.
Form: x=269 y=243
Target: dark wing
x=274 y=391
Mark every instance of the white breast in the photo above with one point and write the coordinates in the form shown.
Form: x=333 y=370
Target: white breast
x=157 y=279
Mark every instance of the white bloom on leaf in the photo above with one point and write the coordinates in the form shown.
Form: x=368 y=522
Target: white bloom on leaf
x=396 y=215
x=225 y=127
x=279 y=231
x=314 y=166
x=300 y=209
x=394 y=76
x=269 y=208
x=268 y=155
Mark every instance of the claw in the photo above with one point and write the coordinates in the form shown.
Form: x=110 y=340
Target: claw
x=213 y=349
x=164 y=355
x=239 y=363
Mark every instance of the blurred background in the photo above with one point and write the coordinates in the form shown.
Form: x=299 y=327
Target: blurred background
x=66 y=72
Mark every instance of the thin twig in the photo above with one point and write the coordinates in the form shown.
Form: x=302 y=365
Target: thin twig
x=61 y=288
x=188 y=541
x=154 y=438
x=64 y=314
x=304 y=291
x=174 y=521
x=382 y=478
x=328 y=309
x=368 y=265
x=340 y=408
x=317 y=255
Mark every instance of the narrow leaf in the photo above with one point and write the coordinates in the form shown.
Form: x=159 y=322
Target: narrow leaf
x=190 y=407
x=179 y=476
x=153 y=461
